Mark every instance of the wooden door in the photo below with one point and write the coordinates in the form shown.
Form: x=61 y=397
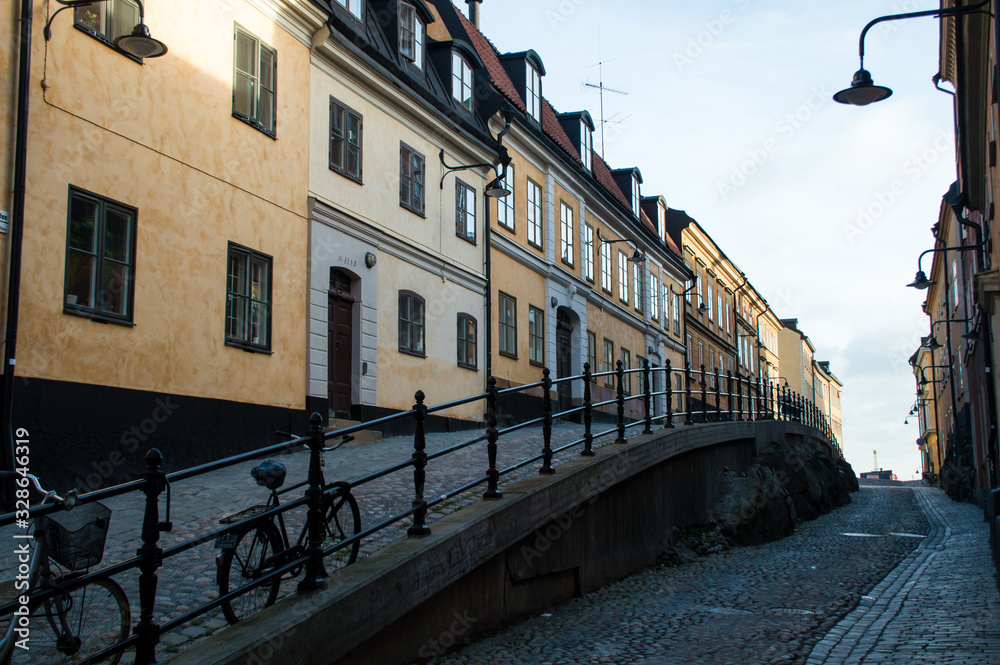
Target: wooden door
x=340 y=344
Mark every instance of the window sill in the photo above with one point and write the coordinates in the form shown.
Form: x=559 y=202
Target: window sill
x=472 y=368
x=536 y=246
x=419 y=213
x=537 y=363
x=508 y=354
x=103 y=40
x=249 y=348
x=256 y=125
x=410 y=352
x=471 y=241
x=96 y=316
x=346 y=174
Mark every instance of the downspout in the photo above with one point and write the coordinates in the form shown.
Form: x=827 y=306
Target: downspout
x=16 y=229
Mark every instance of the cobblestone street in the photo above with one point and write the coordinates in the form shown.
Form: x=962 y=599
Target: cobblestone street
x=902 y=575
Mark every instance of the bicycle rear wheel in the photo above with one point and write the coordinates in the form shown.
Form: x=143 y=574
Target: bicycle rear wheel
x=245 y=563
x=343 y=520
x=96 y=615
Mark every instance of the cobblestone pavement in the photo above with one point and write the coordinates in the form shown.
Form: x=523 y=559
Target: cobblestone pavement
x=902 y=575
x=197 y=504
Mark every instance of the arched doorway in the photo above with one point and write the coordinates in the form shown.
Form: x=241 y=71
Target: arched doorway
x=340 y=343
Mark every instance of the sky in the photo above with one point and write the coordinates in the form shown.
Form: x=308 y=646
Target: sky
x=729 y=115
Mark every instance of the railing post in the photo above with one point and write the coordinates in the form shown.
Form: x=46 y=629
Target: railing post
x=729 y=393
x=588 y=436
x=492 y=475
x=689 y=416
x=704 y=396
x=739 y=396
x=315 y=575
x=718 y=396
x=760 y=399
x=670 y=397
x=647 y=397
x=546 y=423
x=621 y=403
x=419 y=527
x=150 y=558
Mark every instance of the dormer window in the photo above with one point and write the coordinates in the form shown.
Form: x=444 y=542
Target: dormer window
x=635 y=195
x=353 y=6
x=533 y=93
x=411 y=35
x=661 y=220
x=586 y=145
x=461 y=81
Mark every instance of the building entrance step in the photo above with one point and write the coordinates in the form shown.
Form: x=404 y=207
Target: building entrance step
x=363 y=436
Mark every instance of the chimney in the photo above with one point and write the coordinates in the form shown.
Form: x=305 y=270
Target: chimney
x=474 y=11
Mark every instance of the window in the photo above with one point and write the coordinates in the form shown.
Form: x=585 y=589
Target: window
x=701 y=354
x=626 y=366
x=353 y=6
x=690 y=349
x=609 y=362
x=592 y=353
x=411 y=35
x=661 y=220
x=108 y=21
x=536 y=336
x=654 y=297
x=254 y=83
x=701 y=289
x=688 y=289
x=534 y=214
x=566 y=235
x=100 y=257
x=606 y=267
x=711 y=362
x=622 y=277
x=710 y=301
x=637 y=285
x=588 y=252
x=635 y=195
x=465 y=211
x=533 y=93
x=508 y=325
x=411 y=179
x=586 y=145
x=411 y=323
x=345 y=140
x=248 y=299
x=728 y=308
x=677 y=314
x=461 y=81
x=718 y=298
x=505 y=205
x=467 y=341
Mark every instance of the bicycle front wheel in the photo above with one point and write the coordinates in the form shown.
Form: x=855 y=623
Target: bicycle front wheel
x=343 y=520
x=246 y=563
x=74 y=625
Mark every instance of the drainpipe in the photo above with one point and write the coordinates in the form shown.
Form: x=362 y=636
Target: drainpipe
x=16 y=227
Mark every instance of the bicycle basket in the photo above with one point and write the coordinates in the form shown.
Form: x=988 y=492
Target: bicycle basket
x=76 y=538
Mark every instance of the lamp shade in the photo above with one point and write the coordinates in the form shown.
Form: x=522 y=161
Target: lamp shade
x=140 y=44
x=921 y=282
x=863 y=90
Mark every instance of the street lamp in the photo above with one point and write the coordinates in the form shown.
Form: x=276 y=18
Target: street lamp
x=863 y=90
x=636 y=257
x=921 y=282
x=702 y=308
x=139 y=44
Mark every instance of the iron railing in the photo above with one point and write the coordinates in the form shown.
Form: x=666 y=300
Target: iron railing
x=705 y=397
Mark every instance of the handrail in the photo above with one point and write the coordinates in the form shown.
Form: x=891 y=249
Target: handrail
x=702 y=397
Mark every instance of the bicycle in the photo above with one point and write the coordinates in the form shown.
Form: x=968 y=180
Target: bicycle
x=67 y=625
x=929 y=479
x=252 y=552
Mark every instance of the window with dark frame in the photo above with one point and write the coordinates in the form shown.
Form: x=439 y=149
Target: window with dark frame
x=353 y=6
x=536 y=335
x=100 y=257
x=345 y=140
x=592 y=353
x=411 y=323
x=609 y=363
x=255 y=78
x=533 y=93
x=411 y=179
x=248 y=299
x=467 y=354
x=626 y=366
x=465 y=212
x=507 y=329
x=107 y=21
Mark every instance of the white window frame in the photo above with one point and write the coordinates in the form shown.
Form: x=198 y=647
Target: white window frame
x=353 y=6
x=533 y=92
x=654 y=297
x=505 y=204
x=710 y=301
x=586 y=146
x=635 y=195
x=411 y=26
x=637 y=285
x=588 y=252
x=606 y=269
x=623 y=277
x=534 y=214
x=566 y=235
x=465 y=211
x=461 y=80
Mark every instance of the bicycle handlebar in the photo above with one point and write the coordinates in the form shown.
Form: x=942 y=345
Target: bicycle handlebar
x=347 y=438
x=68 y=502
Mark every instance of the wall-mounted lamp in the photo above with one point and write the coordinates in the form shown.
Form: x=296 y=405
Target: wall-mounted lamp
x=370 y=259
x=702 y=308
x=139 y=44
x=554 y=302
x=863 y=90
x=636 y=257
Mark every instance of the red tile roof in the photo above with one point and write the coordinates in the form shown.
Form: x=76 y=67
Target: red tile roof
x=602 y=172
x=551 y=126
x=489 y=54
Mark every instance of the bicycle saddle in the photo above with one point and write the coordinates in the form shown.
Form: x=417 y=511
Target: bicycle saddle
x=269 y=474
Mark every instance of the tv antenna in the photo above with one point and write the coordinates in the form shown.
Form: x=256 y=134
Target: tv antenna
x=601 y=88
